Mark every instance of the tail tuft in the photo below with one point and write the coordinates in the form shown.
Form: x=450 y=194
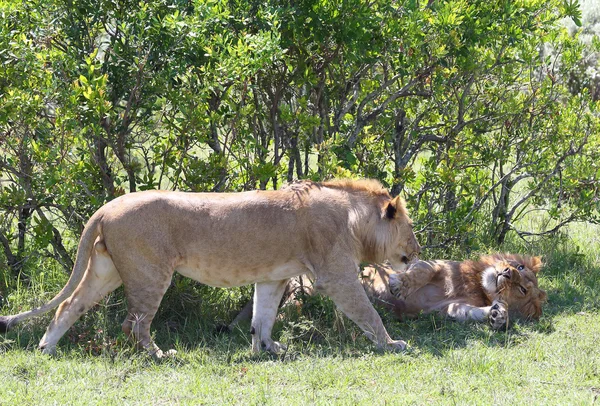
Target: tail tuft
x=5 y=324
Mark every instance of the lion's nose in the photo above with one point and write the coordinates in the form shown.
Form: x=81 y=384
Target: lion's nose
x=404 y=259
x=506 y=273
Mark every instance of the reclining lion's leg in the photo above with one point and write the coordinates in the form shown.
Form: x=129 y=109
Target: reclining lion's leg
x=244 y=315
x=496 y=314
x=267 y=296
x=99 y=279
x=144 y=290
x=403 y=284
x=350 y=297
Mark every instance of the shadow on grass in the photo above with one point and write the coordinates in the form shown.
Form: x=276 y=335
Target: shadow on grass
x=436 y=335
x=188 y=321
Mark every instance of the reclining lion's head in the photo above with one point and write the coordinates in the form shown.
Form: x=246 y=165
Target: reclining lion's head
x=513 y=279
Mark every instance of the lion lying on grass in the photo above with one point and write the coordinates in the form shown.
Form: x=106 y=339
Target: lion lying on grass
x=231 y=239
x=486 y=289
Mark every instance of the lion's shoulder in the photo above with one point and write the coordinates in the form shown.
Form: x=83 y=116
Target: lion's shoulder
x=367 y=186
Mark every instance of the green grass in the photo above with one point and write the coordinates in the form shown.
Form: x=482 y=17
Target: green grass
x=553 y=361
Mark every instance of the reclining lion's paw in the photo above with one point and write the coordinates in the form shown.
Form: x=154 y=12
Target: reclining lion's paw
x=498 y=317
x=399 y=285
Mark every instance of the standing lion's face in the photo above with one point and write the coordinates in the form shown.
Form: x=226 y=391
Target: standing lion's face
x=406 y=248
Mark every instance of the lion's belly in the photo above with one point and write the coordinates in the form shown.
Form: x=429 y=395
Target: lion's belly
x=427 y=299
x=228 y=273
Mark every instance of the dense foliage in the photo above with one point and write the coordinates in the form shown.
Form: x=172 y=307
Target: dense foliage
x=478 y=112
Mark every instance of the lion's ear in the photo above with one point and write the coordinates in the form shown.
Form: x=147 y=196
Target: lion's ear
x=542 y=296
x=390 y=210
x=394 y=206
x=536 y=264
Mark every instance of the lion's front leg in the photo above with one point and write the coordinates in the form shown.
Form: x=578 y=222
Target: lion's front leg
x=464 y=312
x=496 y=314
x=350 y=297
x=267 y=296
x=403 y=284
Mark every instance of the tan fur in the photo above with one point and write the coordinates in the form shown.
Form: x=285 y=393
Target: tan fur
x=445 y=286
x=471 y=289
x=231 y=239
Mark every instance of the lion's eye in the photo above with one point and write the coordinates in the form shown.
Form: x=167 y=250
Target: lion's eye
x=520 y=268
x=523 y=290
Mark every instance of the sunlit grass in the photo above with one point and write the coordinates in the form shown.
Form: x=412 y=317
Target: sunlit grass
x=553 y=361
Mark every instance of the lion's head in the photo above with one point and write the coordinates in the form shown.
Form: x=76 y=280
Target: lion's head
x=405 y=248
x=513 y=279
x=380 y=224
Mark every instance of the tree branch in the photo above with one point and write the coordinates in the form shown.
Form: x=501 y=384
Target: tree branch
x=570 y=219
x=361 y=121
x=570 y=152
x=56 y=241
x=11 y=259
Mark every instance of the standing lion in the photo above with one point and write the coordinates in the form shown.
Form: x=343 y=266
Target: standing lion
x=230 y=239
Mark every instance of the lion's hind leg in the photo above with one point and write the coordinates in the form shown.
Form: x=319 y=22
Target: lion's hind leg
x=145 y=286
x=419 y=274
x=99 y=279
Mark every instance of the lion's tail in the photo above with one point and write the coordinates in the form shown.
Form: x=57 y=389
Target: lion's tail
x=84 y=251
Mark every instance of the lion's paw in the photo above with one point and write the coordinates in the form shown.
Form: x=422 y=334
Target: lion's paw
x=273 y=347
x=396 y=345
x=498 y=317
x=158 y=355
x=393 y=345
x=399 y=285
x=48 y=350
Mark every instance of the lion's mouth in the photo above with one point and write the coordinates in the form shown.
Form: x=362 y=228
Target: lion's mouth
x=503 y=278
